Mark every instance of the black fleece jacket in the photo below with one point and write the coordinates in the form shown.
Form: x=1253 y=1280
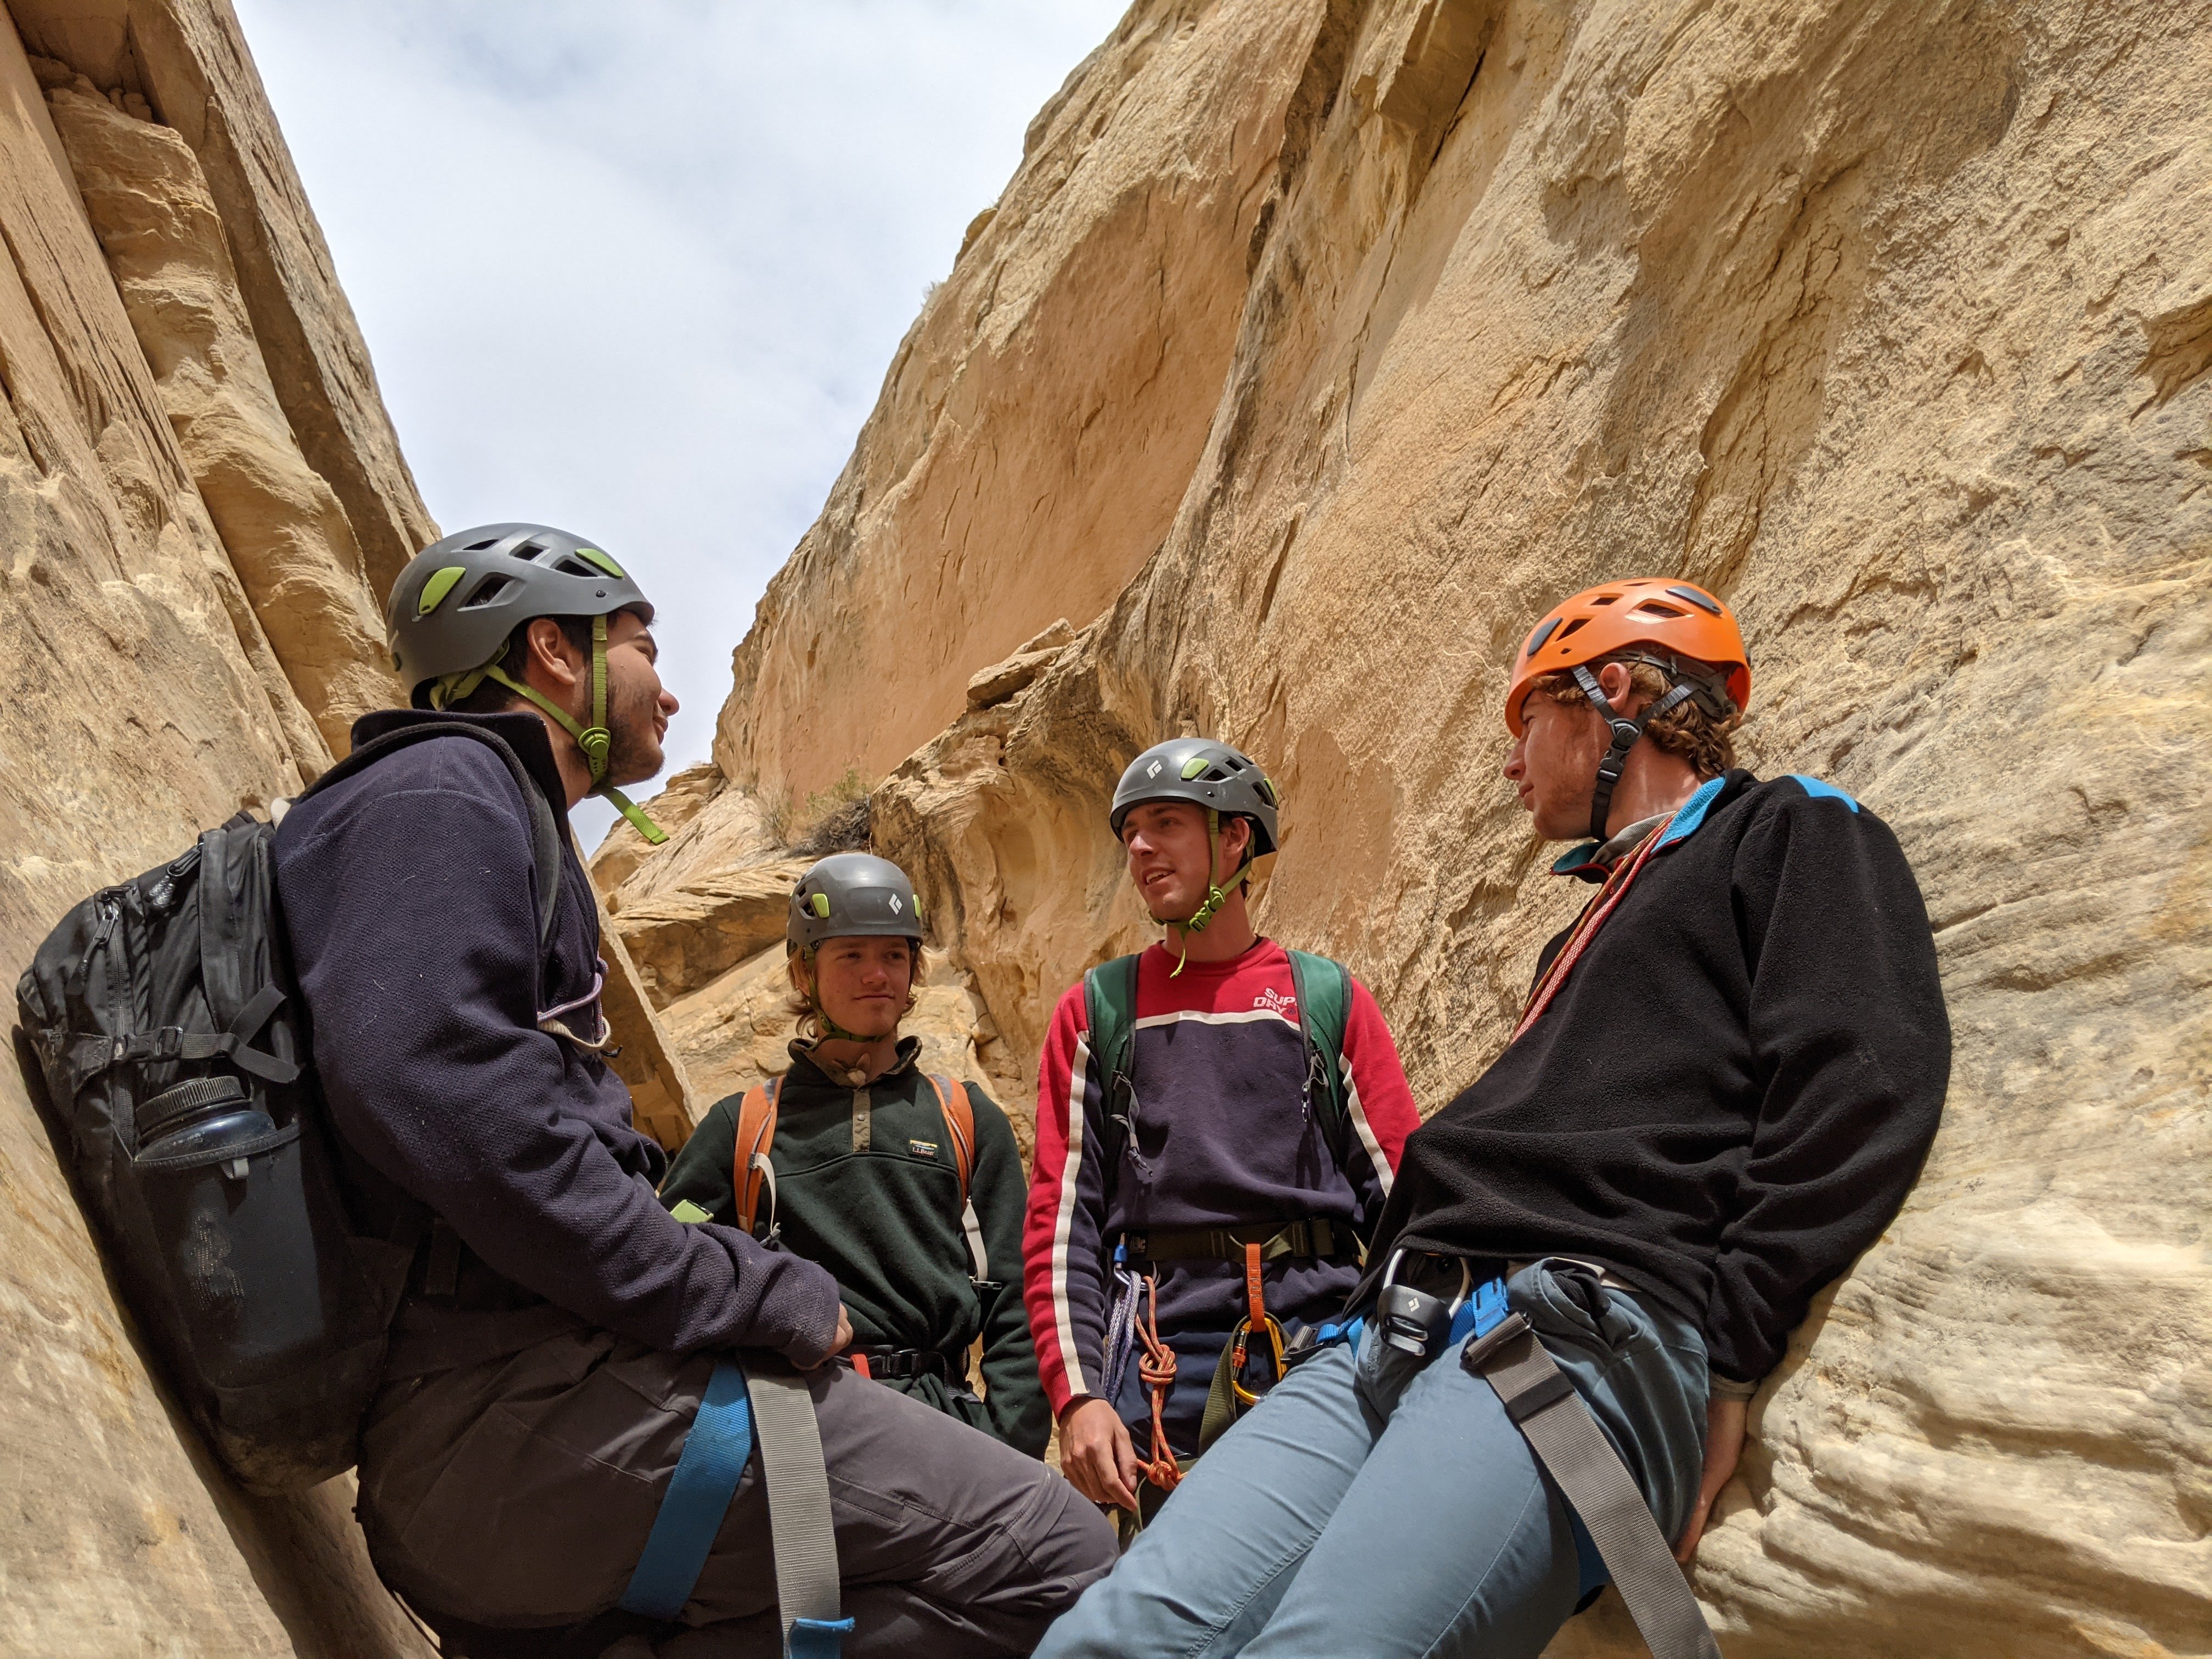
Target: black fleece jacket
x=1731 y=1093
x=408 y=902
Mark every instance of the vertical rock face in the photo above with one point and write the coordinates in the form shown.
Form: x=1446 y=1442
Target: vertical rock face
x=290 y=541
x=1039 y=423
x=187 y=630
x=1888 y=321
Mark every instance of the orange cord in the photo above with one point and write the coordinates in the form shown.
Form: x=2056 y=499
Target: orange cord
x=1156 y=1369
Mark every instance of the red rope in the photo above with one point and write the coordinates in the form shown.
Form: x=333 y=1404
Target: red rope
x=1156 y=1369
x=1609 y=896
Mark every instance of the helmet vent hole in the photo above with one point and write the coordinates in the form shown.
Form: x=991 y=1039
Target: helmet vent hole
x=1574 y=627
x=1658 y=608
x=487 y=591
x=570 y=566
x=479 y=547
x=1606 y=598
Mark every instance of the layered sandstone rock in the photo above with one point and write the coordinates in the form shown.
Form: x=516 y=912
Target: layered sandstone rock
x=202 y=503
x=1042 y=418
x=1890 y=322
x=290 y=539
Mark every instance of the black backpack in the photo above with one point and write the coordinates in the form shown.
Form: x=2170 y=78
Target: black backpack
x=167 y=1002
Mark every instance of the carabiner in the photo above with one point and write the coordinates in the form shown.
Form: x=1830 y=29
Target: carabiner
x=1413 y=1321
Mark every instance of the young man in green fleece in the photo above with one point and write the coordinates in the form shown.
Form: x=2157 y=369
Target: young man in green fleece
x=858 y=1160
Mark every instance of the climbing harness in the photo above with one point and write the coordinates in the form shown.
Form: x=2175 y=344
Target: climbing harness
x=1602 y=905
x=1573 y=1449
x=776 y=1410
x=1611 y=1521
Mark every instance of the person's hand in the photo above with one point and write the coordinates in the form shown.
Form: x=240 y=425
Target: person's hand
x=839 y=1343
x=1724 y=1423
x=1096 y=1454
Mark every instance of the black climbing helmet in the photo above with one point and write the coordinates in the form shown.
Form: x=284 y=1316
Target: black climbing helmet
x=460 y=600
x=1205 y=773
x=853 y=893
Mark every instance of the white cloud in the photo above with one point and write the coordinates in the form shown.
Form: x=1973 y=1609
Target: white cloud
x=637 y=269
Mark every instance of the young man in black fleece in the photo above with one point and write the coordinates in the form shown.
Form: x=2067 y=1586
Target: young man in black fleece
x=560 y=1325
x=1724 y=1081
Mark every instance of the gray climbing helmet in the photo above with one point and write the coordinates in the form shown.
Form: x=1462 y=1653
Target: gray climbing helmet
x=852 y=894
x=1205 y=773
x=457 y=600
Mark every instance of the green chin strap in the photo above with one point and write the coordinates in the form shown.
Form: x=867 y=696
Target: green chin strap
x=1217 y=894
x=594 y=740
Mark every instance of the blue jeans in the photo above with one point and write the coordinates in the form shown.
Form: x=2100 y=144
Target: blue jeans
x=1385 y=1506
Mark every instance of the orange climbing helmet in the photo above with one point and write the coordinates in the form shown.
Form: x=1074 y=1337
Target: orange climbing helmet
x=1676 y=626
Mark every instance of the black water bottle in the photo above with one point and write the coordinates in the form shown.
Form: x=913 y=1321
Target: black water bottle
x=202 y=1119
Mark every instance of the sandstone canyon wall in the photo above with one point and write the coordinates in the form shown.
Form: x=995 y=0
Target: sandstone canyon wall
x=1888 y=320
x=202 y=502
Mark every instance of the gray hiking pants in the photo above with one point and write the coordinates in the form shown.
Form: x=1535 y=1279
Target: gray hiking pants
x=518 y=1491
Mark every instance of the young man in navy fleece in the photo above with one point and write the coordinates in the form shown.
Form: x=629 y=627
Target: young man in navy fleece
x=1226 y=1176
x=1723 y=1083
x=560 y=1327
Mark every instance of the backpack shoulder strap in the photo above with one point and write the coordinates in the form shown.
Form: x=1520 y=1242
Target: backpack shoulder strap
x=960 y=1124
x=1110 y=1015
x=751 y=1170
x=1323 y=988
x=545 y=829
x=960 y=1119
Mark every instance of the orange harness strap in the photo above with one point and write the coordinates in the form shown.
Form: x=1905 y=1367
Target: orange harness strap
x=1256 y=1318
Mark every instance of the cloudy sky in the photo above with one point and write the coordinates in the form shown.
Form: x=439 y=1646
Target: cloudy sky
x=636 y=270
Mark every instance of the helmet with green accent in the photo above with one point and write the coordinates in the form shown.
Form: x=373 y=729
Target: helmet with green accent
x=1223 y=782
x=852 y=895
x=849 y=895
x=458 y=602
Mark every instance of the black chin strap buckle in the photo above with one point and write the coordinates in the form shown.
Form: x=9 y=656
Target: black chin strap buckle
x=1626 y=731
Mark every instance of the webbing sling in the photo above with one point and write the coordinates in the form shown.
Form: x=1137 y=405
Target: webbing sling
x=1574 y=1451
x=713 y=1459
x=807 y=1585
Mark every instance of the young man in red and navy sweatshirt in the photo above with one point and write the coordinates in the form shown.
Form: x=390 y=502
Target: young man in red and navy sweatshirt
x=1217 y=1147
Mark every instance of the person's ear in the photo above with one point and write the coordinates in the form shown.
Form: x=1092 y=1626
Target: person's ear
x=1618 y=681
x=551 y=654
x=1235 y=842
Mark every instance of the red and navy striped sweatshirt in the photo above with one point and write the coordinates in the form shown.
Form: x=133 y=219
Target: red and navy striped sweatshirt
x=1221 y=1135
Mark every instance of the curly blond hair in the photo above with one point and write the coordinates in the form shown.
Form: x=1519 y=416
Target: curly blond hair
x=1685 y=730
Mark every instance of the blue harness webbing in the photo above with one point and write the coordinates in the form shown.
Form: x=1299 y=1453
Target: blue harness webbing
x=699 y=1493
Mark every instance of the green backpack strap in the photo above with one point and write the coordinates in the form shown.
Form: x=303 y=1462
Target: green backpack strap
x=1109 y=1013
x=1323 y=988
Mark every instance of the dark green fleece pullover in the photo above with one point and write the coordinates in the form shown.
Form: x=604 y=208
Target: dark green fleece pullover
x=866 y=1185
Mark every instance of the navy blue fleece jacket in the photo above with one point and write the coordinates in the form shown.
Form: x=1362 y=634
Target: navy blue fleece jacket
x=408 y=901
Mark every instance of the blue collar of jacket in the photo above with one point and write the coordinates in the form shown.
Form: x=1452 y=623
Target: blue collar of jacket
x=1594 y=861
x=524 y=734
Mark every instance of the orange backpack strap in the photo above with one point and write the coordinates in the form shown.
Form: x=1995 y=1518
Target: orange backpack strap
x=960 y=1124
x=751 y=1170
